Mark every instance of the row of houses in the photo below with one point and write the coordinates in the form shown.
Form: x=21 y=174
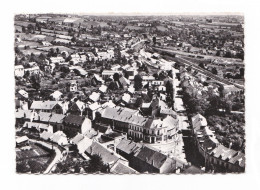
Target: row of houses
x=217 y=157
x=145 y=159
x=52 y=122
x=138 y=127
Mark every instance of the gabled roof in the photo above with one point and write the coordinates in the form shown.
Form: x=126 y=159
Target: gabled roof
x=198 y=121
x=107 y=156
x=56 y=94
x=43 y=116
x=45 y=105
x=77 y=138
x=153 y=158
x=120 y=168
x=27 y=114
x=94 y=96
x=128 y=146
x=21 y=139
x=223 y=152
x=46 y=135
x=120 y=114
x=193 y=170
x=74 y=119
x=57 y=118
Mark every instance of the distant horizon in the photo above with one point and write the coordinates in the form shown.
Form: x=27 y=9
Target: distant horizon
x=147 y=14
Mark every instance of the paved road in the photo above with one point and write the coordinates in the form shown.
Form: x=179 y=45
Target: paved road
x=58 y=154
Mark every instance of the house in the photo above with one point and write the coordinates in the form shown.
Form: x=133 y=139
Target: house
x=156 y=105
x=124 y=82
x=73 y=86
x=127 y=148
x=21 y=140
x=83 y=144
x=223 y=159
x=120 y=168
x=57 y=59
x=108 y=157
x=160 y=130
x=45 y=135
x=23 y=94
x=60 y=138
x=198 y=121
x=109 y=73
x=18 y=71
x=94 y=96
x=192 y=170
x=25 y=115
x=56 y=120
x=20 y=104
x=74 y=124
x=126 y=98
x=103 y=88
x=56 y=95
x=38 y=126
x=32 y=71
x=92 y=109
x=47 y=106
x=148 y=160
x=98 y=79
x=77 y=108
x=116 y=117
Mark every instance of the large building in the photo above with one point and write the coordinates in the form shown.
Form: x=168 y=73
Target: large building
x=140 y=128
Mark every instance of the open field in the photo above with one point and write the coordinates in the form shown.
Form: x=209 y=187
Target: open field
x=61 y=48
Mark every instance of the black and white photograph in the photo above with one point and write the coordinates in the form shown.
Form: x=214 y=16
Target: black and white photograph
x=129 y=94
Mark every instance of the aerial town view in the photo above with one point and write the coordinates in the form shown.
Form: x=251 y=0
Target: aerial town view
x=129 y=94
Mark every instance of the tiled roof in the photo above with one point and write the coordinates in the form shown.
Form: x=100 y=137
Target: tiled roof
x=46 y=135
x=238 y=158
x=124 y=115
x=198 y=121
x=223 y=152
x=74 y=119
x=25 y=113
x=43 y=116
x=77 y=138
x=57 y=118
x=107 y=156
x=193 y=170
x=128 y=146
x=151 y=157
x=120 y=168
x=46 y=105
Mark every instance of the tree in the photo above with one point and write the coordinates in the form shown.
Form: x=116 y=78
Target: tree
x=70 y=95
x=154 y=40
x=214 y=71
x=138 y=82
x=169 y=87
x=96 y=164
x=116 y=77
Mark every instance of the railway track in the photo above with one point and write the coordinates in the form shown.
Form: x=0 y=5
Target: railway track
x=199 y=69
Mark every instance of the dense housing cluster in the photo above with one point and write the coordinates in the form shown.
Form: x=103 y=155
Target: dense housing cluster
x=126 y=94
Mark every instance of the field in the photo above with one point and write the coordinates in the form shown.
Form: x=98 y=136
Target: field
x=134 y=27
x=22 y=23
x=29 y=43
x=29 y=51
x=61 y=48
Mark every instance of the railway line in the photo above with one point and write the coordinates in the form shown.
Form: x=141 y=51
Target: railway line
x=168 y=55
